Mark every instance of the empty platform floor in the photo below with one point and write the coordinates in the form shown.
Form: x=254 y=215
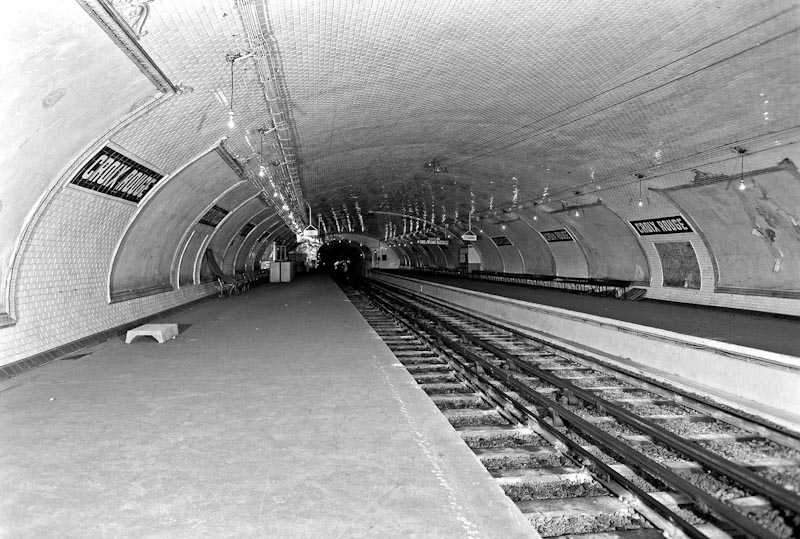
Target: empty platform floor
x=278 y=413
x=773 y=333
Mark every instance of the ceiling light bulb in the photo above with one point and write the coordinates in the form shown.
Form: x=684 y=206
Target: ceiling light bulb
x=577 y=213
x=742 y=186
x=535 y=217
x=231 y=123
x=641 y=203
x=261 y=171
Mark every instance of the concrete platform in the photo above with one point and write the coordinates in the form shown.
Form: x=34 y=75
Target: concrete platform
x=277 y=413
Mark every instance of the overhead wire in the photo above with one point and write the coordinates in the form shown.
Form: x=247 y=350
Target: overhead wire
x=668 y=64
x=630 y=98
x=558 y=195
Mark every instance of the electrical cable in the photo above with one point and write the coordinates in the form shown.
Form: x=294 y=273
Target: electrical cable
x=549 y=130
x=555 y=196
x=555 y=199
x=673 y=62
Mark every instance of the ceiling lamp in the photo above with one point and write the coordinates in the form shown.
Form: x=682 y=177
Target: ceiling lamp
x=261 y=170
x=435 y=167
x=640 y=176
x=741 y=151
x=231 y=58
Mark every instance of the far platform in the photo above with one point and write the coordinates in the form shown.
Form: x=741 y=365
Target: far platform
x=762 y=331
x=277 y=413
x=745 y=360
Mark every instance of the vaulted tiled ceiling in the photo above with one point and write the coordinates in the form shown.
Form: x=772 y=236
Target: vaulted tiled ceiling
x=519 y=101
x=557 y=94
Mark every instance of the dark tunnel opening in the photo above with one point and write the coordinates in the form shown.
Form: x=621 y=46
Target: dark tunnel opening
x=344 y=261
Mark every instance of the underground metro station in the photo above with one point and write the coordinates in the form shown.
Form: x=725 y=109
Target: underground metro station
x=397 y=268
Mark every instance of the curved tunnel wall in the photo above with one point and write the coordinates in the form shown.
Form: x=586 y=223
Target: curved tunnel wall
x=504 y=246
x=610 y=248
x=536 y=255
x=490 y=256
x=143 y=262
x=245 y=257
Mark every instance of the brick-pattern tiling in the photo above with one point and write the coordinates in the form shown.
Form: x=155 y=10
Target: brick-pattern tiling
x=378 y=88
x=62 y=284
x=378 y=83
x=376 y=79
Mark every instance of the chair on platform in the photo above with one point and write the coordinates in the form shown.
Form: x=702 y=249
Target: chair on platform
x=224 y=288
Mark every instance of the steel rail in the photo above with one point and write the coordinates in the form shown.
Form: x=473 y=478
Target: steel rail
x=663 y=515
x=752 y=481
x=776 y=433
x=779 y=495
x=600 y=437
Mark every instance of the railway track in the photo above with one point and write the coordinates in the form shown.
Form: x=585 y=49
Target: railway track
x=582 y=447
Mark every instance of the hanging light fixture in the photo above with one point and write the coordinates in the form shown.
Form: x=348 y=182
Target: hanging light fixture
x=231 y=58
x=741 y=151
x=641 y=202
x=261 y=170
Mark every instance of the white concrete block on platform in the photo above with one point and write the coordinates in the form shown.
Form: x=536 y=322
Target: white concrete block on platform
x=160 y=332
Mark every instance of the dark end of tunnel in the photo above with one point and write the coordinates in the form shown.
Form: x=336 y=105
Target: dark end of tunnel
x=345 y=261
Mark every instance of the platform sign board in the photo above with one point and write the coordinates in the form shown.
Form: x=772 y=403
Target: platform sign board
x=310 y=232
x=214 y=216
x=117 y=175
x=560 y=234
x=433 y=241
x=501 y=241
x=246 y=229
x=663 y=225
x=469 y=236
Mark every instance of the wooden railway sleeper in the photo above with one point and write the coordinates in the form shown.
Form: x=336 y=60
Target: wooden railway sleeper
x=750 y=480
x=650 y=508
x=770 y=432
x=615 y=446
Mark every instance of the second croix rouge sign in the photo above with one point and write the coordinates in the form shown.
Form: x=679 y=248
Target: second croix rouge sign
x=664 y=225
x=117 y=175
x=556 y=235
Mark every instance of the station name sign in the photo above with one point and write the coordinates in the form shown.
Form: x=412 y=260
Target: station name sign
x=665 y=225
x=214 y=216
x=433 y=241
x=556 y=235
x=501 y=241
x=116 y=175
x=246 y=229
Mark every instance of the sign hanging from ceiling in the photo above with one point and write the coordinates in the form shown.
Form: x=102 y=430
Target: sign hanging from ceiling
x=664 y=225
x=469 y=236
x=310 y=232
x=556 y=235
x=117 y=175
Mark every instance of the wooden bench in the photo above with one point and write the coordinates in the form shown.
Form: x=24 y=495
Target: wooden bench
x=160 y=332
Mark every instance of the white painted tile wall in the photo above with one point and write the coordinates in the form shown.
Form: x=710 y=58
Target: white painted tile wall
x=62 y=285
